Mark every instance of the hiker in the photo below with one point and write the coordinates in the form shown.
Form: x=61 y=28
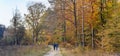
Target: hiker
x=55 y=46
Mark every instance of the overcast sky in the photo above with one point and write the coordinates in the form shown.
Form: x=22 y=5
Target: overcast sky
x=8 y=6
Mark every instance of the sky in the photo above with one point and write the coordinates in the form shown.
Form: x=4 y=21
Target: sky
x=7 y=8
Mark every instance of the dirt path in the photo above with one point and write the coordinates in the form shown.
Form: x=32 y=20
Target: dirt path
x=53 y=52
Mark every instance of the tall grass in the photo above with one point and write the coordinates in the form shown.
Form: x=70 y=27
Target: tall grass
x=23 y=50
x=82 y=52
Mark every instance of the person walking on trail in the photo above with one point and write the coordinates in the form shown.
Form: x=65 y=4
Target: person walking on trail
x=55 y=46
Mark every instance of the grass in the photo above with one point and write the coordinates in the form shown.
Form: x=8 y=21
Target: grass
x=80 y=52
x=23 y=50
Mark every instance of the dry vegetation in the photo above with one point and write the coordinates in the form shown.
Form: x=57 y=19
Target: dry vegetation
x=23 y=50
x=80 y=52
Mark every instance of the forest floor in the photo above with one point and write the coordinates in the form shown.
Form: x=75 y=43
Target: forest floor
x=78 y=52
x=53 y=52
x=23 y=50
x=41 y=50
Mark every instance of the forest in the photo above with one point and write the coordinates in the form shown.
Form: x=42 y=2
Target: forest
x=80 y=27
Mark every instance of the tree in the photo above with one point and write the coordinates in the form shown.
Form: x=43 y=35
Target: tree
x=111 y=29
x=16 y=23
x=33 y=19
x=20 y=34
x=85 y=21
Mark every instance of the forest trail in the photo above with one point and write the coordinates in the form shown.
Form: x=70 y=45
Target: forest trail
x=53 y=52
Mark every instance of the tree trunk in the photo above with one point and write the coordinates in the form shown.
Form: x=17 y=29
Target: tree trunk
x=64 y=20
x=92 y=31
x=83 y=37
x=75 y=20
